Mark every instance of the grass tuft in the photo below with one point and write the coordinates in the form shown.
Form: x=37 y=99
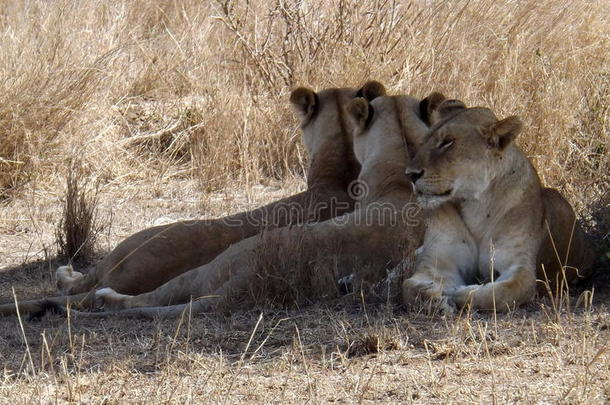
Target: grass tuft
x=78 y=228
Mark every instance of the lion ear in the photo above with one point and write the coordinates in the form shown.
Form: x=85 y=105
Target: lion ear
x=360 y=112
x=449 y=107
x=501 y=133
x=429 y=105
x=371 y=90
x=304 y=101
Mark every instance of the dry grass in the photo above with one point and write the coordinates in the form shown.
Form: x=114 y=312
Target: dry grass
x=297 y=270
x=345 y=350
x=79 y=226
x=294 y=274
x=204 y=85
x=171 y=105
x=348 y=353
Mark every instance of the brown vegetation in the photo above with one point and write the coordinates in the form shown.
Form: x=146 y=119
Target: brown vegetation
x=205 y=84
x=78 y=227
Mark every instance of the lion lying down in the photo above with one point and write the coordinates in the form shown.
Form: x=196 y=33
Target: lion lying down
x=489 y=217
x=150 y=258
x=383 y=131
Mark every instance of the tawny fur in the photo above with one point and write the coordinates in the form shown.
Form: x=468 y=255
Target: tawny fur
x=488 y=216
x=150 y=258
x=382 y=131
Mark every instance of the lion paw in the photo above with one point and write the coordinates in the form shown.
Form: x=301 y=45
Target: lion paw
x=66 y=277
x=447 y=305
x=463 y=295
x=109 y=300
x=346 y=284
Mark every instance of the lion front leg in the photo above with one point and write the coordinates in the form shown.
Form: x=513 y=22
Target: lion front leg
x=447 y=256
x=418 y=289
x=430 y=285
x=514 y=287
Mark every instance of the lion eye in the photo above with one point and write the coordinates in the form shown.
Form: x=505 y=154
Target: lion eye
x=445 y=144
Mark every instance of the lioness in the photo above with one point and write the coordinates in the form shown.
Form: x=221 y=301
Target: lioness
x=383 y=131
x=490 y=217
x=151 y=257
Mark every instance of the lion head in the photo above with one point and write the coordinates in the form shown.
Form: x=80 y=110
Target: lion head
x=386 y=126
x=326 y=128
x=462 y=152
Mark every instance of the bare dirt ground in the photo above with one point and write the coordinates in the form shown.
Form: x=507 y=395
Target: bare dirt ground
x=340 y=351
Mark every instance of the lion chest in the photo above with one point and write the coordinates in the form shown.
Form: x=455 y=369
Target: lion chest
x=483 y=227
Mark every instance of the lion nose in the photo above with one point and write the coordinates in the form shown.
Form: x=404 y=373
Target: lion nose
x=414 y=174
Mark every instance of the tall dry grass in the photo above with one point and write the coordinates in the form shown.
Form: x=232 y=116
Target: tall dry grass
x=158 y=88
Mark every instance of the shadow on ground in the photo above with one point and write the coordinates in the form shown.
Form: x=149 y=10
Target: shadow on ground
x=599 y=234
x=32 y=279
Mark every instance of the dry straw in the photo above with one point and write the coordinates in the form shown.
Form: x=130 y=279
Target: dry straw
x=206 y=84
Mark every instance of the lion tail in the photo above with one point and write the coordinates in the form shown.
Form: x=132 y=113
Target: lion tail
x=167 y=312
x=38 y=307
